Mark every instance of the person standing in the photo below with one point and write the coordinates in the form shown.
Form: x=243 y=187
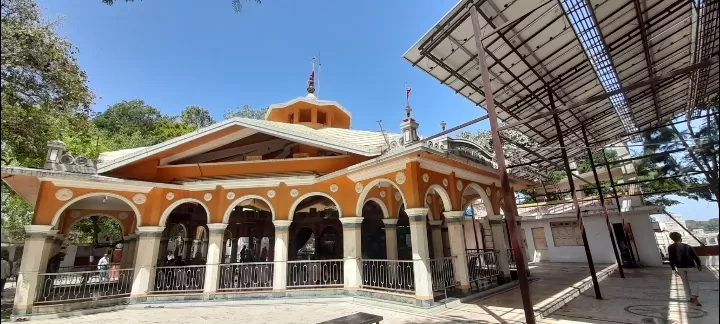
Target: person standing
x=103 y=266
x=5 y=272
x=686 y=265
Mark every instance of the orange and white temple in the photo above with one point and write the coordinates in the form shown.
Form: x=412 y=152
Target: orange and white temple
x=296 y=202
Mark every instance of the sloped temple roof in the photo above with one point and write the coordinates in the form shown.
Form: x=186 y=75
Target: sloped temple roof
x=615 y=67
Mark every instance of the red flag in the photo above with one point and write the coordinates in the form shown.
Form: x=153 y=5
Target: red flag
x=407 y=92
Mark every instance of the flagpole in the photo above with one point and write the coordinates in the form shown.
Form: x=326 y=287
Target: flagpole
x=318 y=76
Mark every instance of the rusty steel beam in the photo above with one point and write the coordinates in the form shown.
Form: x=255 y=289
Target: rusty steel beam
x=508 y=194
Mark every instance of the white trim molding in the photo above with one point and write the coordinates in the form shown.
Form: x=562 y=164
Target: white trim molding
x=236 y=202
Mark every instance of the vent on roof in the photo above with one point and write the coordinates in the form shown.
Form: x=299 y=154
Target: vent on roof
x=583 y=23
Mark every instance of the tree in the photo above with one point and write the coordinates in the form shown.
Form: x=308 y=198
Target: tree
x=197 y=117
x=41 y=82
x=93 y=229
x=583 y=165
x=246 y=112
x=237 y=4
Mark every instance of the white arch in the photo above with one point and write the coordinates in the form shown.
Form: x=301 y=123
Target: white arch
x=134 y=208
x=483 y=195
x=369 y=186
x=122 y=226
x=310 y=194
x=447 y=204
x=226 y=217
x=169 y=209
x=380 y=203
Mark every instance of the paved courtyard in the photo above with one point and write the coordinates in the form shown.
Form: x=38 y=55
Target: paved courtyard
x=649 y=295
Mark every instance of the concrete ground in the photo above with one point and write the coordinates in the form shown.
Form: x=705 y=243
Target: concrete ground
x=649 y=295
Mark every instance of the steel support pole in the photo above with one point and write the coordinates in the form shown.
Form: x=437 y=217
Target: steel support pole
x=508 y=195
x=569 y=173
x=602 y=203
x=617 y=202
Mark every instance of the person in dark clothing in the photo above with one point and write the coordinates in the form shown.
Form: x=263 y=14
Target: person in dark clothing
x=686 y=265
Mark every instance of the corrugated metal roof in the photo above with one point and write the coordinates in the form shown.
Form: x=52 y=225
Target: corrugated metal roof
x=581 y=50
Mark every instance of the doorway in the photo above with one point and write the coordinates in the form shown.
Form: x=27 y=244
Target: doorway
x=622 y=243
x=540 y=242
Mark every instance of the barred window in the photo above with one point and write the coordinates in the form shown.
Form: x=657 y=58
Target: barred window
x=566 y=233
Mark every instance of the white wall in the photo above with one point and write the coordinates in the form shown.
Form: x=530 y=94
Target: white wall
x=598 y=240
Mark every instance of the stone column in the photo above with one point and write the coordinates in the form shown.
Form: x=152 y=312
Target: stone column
x=500 y=243
x=128 y=251
x=38 y=245
x=420 y=254
x=454 y=220
x=352 y=250
x=391 y=238
x=437 y=241
x=280 y=255
x=214 y=257
x=146 y=260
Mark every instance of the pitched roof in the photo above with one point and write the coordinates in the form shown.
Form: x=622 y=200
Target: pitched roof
x=366 y=143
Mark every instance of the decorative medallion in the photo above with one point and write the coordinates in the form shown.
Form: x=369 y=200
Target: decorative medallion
x=123 y=216
x=170 y=196
x=426 y=177
x=294 y=192
x=271 y=193
x=358 y=187
x=398 y=196
x=139 y=199
x=207 y=196
x=230 y=195
x=63 y=194
x=428 y=199
x=75 y=214
x=382 y=194
x=445 y=182
x=400 y=177
x=458 y=185
x=334 y=187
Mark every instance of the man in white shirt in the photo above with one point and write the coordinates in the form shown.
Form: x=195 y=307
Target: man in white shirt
x=103 y=266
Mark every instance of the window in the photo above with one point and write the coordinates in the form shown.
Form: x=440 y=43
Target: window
x=566 y=233
x=305 y=116
x=321 y=117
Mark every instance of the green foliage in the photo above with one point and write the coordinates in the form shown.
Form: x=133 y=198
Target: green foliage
x=41 y=83
x=710 y=225
x=246 y=112
x=676 y=170
x=583 y=165
x=16 y=212
x=236 y=4
x=196 y=116
x=93 y=229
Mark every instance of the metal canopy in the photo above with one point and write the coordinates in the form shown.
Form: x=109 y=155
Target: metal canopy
x=579 y=50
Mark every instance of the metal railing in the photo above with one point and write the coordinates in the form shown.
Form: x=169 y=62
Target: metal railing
x=443 y=273
x=179 y=279
x=394 y=275
x=84 y=285
x=246 y=276
x=511 y=259
x=482 y=265
x=315 y=273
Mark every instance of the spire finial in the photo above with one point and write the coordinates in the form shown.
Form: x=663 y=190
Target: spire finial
x=311 y=79
x=443 y=124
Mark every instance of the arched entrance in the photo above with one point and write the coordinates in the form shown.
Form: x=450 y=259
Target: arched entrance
x=315 y=249
x=437 y=201
x=478 y=236
x=373 y=232
x=181 y=267
x=84 y=261
x=250 y=240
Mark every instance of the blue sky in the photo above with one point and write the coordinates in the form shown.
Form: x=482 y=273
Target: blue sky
x=176 y=53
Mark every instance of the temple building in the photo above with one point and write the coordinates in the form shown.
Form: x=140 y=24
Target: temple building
x=295 y=203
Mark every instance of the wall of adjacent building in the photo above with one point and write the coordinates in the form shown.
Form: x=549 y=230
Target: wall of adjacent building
x=598 y=240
